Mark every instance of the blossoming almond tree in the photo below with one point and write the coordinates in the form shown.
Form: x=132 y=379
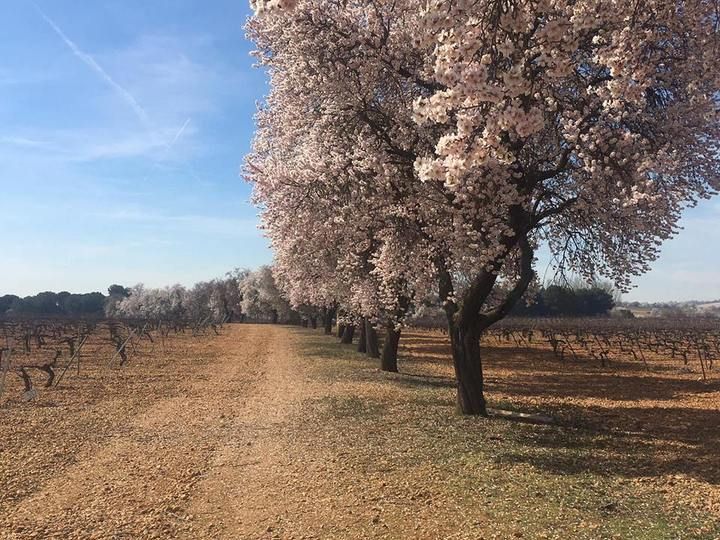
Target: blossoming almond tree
x=590 y=124
x=261 y=299
x=335 y=180
x=326 y=241
x=586 y=124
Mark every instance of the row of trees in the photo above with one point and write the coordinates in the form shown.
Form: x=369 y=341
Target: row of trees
x=413 y=150
x=240 y=295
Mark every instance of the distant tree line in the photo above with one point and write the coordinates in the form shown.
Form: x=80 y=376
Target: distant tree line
x=238 y=296
x=572 y=299
x=675 y=310
x=54 y=304
x=567 y=301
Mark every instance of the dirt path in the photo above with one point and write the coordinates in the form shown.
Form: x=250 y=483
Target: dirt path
x=174 y=469
x=225 y=455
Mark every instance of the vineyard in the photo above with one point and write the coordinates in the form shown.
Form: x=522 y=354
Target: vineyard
x=694 y=343
x=423 y=329
x=42 y=352
x=52 y=349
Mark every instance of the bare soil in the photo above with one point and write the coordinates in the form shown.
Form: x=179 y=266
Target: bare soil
x=276 y=432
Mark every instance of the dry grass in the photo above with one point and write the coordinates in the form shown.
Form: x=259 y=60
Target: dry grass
x=635 y=455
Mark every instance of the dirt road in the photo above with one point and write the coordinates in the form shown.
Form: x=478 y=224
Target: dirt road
x=219 y=446
x=200 y=464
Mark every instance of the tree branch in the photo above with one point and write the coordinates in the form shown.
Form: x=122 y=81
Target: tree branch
x=559 y=209
x=526 y=276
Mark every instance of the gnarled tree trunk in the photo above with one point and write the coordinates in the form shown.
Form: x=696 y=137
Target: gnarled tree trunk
x=348 y=334
x=362 y=339
x=371 y=338
x=328 y=315
x=388 y=360
x=468 y=319
x=465 y=344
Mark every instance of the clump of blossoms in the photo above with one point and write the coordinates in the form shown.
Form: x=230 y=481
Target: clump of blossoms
x=264 y=6
x=470 y=132
x=596 y=118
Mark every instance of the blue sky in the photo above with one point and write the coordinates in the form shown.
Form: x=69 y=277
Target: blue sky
x=123 y=125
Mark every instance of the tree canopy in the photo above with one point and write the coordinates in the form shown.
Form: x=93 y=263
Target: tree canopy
x=414 y=147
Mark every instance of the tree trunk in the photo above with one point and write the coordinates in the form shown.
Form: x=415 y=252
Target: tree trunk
x=313 y=322
x=26 y=379
x=468 y=370
x=388 y=360
x=348 y=334
x=371 y=338
x=362 y=339
x=274 y=316
x=328 y=314
x=340 y=330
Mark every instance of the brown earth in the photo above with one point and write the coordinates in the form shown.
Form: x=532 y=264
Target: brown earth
x=275 y=432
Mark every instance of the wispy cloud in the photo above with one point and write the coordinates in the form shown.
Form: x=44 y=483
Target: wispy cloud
x=83 y=145
x=189 y=223
x=98 y=143
x=98 y=69
x=21 y=141
x=120 y=147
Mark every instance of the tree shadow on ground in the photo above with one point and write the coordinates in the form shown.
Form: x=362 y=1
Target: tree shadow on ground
x=419 y=381
x=602 y=386
x=687 y=446
x=623 y=420
x=629 y=423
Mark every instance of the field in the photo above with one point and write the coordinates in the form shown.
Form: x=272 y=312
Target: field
x=267 y=431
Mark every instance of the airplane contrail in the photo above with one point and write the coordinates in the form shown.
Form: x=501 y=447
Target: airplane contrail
x=98 y=69
x=178 y=134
